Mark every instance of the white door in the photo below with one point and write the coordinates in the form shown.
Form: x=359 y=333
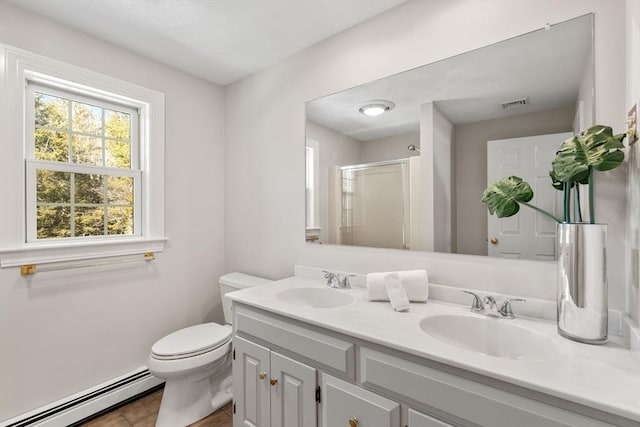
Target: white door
x=293 y=393
x=528 y=234
x=251 y=386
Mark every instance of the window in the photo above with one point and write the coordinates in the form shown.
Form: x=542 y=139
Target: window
x=83 y=171
x=312 y=184
x=84 y=153
x=311 y=221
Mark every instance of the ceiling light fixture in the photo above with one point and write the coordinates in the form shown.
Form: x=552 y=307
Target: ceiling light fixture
x=377 y=107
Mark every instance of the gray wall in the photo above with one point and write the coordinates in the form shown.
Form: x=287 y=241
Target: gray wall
x=390 y=148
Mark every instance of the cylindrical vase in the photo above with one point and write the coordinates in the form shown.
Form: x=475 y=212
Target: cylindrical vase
x=582 y=282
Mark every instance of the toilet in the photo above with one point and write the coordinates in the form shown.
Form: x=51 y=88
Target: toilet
x=195 y=363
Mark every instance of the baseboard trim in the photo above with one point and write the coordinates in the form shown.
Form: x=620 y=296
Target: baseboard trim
x=89 y=402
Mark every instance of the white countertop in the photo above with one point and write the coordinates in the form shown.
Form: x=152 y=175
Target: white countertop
x=606 y=377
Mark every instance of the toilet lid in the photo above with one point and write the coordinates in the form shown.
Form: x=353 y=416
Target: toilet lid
x=193 y=340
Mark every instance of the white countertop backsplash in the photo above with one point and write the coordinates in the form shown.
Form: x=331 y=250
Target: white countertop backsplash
x=606 y=377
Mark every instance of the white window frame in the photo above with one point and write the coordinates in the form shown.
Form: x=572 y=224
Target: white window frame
x=32 y=165
x=312 y=184
x=17 y=67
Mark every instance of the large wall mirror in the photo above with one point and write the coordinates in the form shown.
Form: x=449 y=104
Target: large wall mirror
x=412 y=175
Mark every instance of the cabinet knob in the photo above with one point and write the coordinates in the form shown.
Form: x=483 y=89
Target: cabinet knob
x=494 y=241
x=353 y=422
x=273 y=381
x=262 y=375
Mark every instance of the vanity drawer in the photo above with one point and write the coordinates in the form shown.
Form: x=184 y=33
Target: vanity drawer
x=344 y=404
x=460 y=397
x=333 y=353
x=418 y=419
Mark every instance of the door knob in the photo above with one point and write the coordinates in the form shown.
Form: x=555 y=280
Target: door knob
x=262 y=375
x=273 y=381
x=494 y=241
x=353 y=422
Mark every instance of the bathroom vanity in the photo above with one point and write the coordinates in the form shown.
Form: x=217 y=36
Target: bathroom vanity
x=307 y=355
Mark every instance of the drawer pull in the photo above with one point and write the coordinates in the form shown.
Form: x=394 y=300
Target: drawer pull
x=353 y=422
x=273 y=381
x=262 y=375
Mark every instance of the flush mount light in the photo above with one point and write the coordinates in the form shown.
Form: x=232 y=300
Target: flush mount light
x=377 y=107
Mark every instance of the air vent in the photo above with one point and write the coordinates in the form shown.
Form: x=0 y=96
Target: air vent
x=515 y=103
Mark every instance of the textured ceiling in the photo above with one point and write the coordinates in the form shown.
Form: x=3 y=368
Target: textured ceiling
x=218 y=40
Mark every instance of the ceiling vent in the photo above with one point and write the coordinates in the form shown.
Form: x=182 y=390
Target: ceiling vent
x=515 y=103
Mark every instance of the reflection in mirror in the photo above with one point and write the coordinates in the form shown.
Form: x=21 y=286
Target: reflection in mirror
x=411 y=177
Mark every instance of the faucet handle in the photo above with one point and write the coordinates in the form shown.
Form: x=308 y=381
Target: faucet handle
x=330 y=277
x=345 y=280
x=505 y=309
x=476 y=306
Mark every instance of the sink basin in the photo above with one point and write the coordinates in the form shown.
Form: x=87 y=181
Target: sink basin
x=491 y=336
x=315 y=297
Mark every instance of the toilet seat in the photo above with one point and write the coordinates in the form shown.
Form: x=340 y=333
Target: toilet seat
x=191 y=341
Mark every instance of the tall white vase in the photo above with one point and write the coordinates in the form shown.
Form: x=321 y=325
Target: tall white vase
x=582 y=282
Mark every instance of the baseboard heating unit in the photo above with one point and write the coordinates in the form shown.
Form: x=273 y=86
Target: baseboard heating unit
x=79 y=406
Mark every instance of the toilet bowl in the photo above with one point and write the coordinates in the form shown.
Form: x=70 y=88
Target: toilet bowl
x=195 y=363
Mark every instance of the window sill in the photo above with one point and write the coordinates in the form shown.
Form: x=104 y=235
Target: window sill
x=60 y=252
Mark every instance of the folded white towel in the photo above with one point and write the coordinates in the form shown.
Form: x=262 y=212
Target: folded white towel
x=415 y=282
x=397 y=295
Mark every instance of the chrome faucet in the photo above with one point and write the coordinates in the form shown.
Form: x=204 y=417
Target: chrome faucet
x=334 y=280
x=489 y=307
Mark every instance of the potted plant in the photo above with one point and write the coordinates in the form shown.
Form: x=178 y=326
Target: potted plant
x=582 y=285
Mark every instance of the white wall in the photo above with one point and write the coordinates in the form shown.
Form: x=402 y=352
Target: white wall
x=63 y=332
x=633 y=97
x=584 y=119
x=427 y=202
x=436 y=163
x=443 y=182
x=264 y=200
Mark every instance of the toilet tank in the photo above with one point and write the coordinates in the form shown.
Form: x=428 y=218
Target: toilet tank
x=233 y=282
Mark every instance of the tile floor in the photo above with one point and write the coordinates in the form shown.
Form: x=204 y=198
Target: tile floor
x=143 y=413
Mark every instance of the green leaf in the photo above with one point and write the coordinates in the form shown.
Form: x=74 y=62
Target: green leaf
x=555 y=182
x=503 y=196
x=597 y=147
x=611 y=161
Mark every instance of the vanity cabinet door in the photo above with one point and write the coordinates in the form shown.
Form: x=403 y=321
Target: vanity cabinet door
x=418 y=419
x=270 y=389
x=251 y=386
x=293 y=396
x=346 y=405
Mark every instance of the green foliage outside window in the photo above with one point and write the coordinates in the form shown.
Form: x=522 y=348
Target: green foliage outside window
x=72 y=204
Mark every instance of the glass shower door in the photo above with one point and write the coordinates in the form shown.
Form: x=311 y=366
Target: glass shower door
x=375 y=202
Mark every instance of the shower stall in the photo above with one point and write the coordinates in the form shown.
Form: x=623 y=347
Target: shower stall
x=371 y=204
